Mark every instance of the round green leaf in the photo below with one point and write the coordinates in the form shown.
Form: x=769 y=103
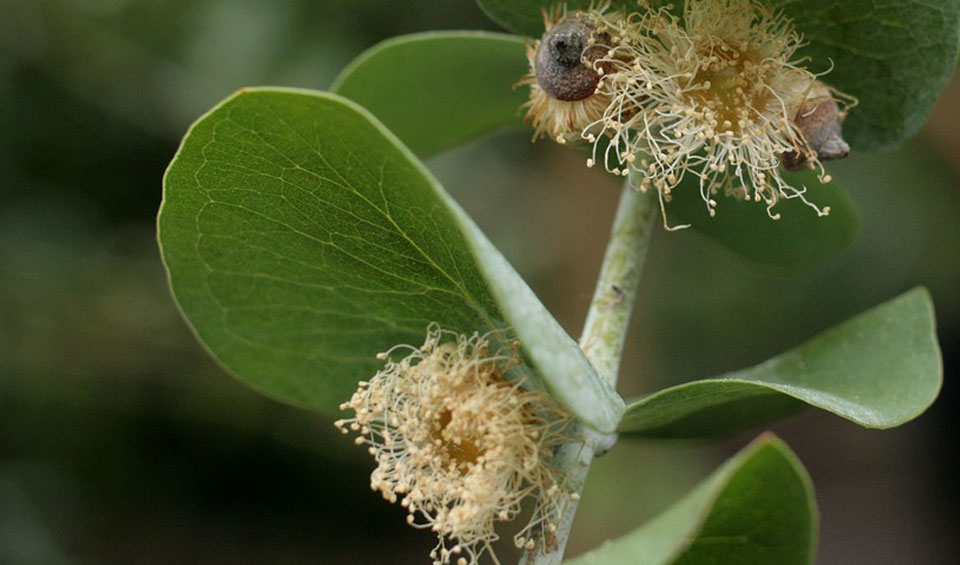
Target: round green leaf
x=439 y=90
x=757 y=509
x=301 y=238
x=895 y=56
x=879 y=369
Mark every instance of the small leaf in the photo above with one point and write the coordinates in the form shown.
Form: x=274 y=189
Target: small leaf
x=895 y=56
x=879 y=369
x=525 y=16
x=439 y=90
x=799 y=239
x=757 y=509
x=302 y=238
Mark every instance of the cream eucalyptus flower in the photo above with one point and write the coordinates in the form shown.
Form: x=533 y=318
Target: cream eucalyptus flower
x=459 y=445
x=717 y=92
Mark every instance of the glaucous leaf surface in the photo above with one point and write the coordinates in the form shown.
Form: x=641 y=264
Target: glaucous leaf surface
x=879 y=369
x=302 y=238
x=800 y=237
x=439 y=90
x=895 y=56
x=757 y=509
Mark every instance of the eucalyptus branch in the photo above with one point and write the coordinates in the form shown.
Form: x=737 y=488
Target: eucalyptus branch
x=602 y=341
x=608 y=319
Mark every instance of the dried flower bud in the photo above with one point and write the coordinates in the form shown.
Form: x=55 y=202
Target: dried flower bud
x=819 y=120
x=564 y=60
x=565 y=74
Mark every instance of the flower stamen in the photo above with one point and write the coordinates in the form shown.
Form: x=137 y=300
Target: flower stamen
x=716 y=93
x=458 y=444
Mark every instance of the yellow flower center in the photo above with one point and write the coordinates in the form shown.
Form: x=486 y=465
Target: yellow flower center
x=460 y=450
x=729 y=90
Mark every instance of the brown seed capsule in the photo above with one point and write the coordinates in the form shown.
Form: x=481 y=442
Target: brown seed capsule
x=819 y=120
x=564 y=63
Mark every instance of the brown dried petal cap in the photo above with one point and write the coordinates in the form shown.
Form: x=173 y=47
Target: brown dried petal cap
x=564 y=65
x=819 y=120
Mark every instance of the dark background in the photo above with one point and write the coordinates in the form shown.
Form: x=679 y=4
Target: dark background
x=122 y=442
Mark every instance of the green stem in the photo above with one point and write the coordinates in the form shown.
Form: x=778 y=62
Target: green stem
x=608 y=319
x=604 y=334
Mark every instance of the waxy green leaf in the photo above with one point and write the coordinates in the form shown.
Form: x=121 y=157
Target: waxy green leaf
x=879 y=369
x=798 y=239
x=302 y=238
x=757 y=509
x=895 y=56
x=526 y=17
x=439 y=90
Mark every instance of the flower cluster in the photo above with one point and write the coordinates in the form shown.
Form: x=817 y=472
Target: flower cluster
x=717 y=93
x=458 y=444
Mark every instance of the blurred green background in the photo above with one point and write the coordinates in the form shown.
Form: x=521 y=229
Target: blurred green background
x=122 y=442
